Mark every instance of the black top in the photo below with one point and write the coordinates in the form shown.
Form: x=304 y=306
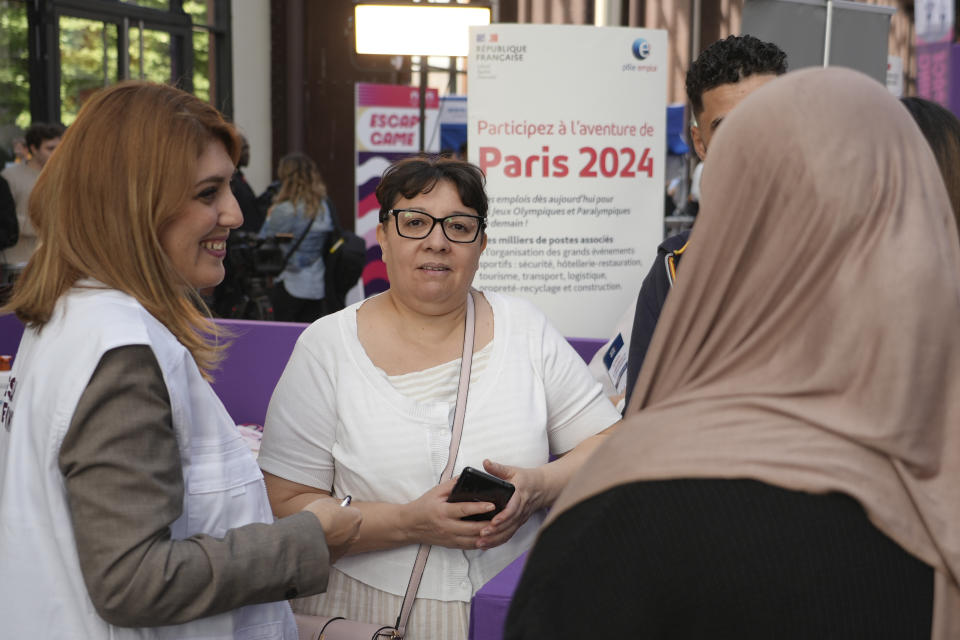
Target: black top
x=9 y=226
x=253 y=213
x=719 y=559
x=653 y=293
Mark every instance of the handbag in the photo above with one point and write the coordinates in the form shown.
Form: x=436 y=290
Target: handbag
x=339 y=628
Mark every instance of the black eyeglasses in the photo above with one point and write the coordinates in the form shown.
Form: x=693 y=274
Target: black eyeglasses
x=417 y=225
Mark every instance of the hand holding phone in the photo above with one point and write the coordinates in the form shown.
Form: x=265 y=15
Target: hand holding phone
x=474 y=485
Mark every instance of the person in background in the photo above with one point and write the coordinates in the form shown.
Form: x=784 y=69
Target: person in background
x=672 y=192
x=227 y=295
x=301 y=209
x=253 y=214
x=692 y=206
x=12 y=144
x=265 y=199
x=790 y=464
x=20 y=153
x=9 y=233
x=9 y=226
x=942 y=130
x=131 y=507
x=41 y=140
x=722 y=75
x=365 y=406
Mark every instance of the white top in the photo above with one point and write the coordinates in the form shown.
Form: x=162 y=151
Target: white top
x=439 y=383
x=336 y=423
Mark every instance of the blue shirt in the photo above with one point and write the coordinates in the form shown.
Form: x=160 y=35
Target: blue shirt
x=303 y=276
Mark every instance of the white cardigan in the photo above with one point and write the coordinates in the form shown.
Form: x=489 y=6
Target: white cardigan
x=336 y=423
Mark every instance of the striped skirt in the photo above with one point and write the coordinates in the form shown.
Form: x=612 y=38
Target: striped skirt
x=352 y=599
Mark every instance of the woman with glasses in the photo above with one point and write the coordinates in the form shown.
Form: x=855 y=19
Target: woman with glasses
x=300 y=209
x=364 y=408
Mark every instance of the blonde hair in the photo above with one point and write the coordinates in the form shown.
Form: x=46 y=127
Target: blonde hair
x=300 y=182
x=123 y=170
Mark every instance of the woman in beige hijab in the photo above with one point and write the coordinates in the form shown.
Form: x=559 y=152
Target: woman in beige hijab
x=790 y=462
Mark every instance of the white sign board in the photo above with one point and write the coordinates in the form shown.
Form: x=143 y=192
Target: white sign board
x=895 y=75
x=568 y=123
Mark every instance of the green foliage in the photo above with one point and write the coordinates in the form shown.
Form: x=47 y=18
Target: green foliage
x=201 y=65
x=201 y=14
x=88 y=61
x=198 y=11
x=14 y=67
x=163 y=5
x=156 y=63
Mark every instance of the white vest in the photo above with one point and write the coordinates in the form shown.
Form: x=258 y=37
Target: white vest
x=42 y=594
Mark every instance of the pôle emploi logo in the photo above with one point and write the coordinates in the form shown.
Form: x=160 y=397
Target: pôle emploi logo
x=641 y=49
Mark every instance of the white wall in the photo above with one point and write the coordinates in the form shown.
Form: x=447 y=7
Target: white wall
x=251 y=85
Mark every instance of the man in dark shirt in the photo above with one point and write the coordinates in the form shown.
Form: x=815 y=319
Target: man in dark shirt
x=229 y=294
x=9 y=227
x=722 y=75
x=253 y=213
x=9 y=233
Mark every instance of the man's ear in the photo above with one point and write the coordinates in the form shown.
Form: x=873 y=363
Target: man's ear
x=697 y=142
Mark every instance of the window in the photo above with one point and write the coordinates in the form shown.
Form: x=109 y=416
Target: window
x=209 y=36
x=54 y=54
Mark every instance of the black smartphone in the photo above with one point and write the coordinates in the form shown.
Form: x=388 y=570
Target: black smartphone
x=474 y=485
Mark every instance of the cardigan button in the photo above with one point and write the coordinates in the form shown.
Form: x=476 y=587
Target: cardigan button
x=292 y=592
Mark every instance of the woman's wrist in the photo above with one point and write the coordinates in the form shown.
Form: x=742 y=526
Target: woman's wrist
x=543 y=492
x=406 y=519
x=385 y=526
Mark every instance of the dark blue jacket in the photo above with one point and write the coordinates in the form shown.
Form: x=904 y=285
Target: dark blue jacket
x=653 y=293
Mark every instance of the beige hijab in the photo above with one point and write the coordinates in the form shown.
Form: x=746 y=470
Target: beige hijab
x=812 y=340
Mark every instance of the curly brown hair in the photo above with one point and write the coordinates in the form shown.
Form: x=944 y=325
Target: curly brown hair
x=727 y=61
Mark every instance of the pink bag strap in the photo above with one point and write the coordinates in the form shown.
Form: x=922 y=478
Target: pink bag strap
x=458 y=414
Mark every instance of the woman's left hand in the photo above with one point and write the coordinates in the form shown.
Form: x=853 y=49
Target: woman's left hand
x=526 y=500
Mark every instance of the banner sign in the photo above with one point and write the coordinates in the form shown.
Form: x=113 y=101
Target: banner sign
x=933 y=21
x=453 y=124
x=568 y=123
x=387 y=129
x=895 y=75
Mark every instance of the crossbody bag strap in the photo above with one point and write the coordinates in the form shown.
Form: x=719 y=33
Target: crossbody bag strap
x=461 y=409
x=296 y=245
x=335 y=229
